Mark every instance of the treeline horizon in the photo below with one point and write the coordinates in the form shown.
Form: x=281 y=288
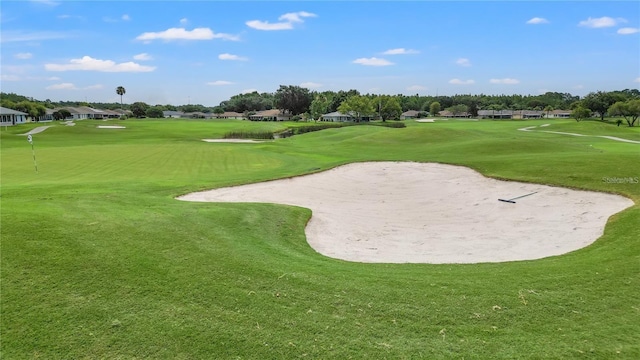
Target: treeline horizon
x=255 y=101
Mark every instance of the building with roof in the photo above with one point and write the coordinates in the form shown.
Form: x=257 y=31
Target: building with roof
x=12 y=117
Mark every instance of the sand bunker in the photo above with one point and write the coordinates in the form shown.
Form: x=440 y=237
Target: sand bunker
x=405 y=212
x=111 y=127
x=233 y=140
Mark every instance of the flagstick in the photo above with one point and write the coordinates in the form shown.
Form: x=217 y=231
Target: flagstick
x=33 y=152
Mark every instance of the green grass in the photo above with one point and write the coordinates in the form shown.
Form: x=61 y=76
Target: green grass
x=98 y=260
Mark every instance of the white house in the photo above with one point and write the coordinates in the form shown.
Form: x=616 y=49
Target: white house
x=12 y=117
x=337 y=116
x=172 y=114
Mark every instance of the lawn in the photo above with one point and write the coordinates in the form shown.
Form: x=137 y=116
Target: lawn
x=98 y=260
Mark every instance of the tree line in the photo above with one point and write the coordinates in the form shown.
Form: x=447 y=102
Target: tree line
x=297 y=100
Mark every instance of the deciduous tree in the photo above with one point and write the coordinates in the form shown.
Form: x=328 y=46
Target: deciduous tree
x=580 y=113
x=293 y=99
x=139 y=109
x=629 y=110
x=434 y=108
x=357 y=106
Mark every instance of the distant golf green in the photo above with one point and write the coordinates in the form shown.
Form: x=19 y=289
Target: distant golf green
x=100 y=261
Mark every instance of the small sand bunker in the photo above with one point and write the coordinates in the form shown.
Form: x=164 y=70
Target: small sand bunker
x=111 y=127
x=233 y=140
x=405 y=212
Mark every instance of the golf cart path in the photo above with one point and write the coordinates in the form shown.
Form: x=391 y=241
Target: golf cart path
x=39 y=129
x=575 y=134
x=408 y=212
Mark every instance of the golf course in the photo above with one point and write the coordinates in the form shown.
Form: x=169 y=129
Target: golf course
x=101 y=260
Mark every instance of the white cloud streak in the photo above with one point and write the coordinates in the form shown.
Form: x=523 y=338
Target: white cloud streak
x=87 y=63
x=183 y=34
x=23 y=56
x=601 y=22
x=374 y=61
x=286 y=21
x=628 y=30
x=62 y=86
x=310 y=85
x=461 y=82
x=400 y=51
x=463 y=62
x=506 y=81
x=226 y=56
x=219 y=83
x=143 y=57
x=537 y=21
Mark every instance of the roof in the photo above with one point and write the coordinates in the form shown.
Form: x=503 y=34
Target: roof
x=495 y=112
x=171 y=113
x=336 y=114
x=229 y=114
x=272 y=112
x=7 y=111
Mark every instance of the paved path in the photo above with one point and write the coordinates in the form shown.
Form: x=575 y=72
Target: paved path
x=39 y=129
x=574 y=134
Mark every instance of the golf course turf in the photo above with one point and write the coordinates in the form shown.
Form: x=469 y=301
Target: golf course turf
x=99 y=260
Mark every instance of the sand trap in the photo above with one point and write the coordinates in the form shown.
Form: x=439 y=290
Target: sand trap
x=111 y=127
x=39 y=129
x=405 y=212
x=530 y=128
x=233 y=140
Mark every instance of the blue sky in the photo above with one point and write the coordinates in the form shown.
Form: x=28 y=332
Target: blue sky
x=203 y=52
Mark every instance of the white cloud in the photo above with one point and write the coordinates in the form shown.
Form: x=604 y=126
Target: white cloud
x=579 y=87
x=637 y=80
x=226 y=56
x=416 y=88
x=400 y=51
x=94 y=87
x=507 y=81
x=604 y=21
x=23 y=56
x=53 y=78
x=18 y=36
x=143 y=57
x=87 y=63
x=46 y=2
x=463 y=62
x=248 y=91
x=124 y=17
x=310 y=85
x=183 y=34
x=62 y=86
x=184 y=21
x=537 y=20
x=461 y=82
x=628 y=30
x=5 y=77
x=374 y=61
x=286 y=21
x=219 y=83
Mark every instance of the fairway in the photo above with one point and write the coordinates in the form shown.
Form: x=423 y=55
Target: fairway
x=99 y=259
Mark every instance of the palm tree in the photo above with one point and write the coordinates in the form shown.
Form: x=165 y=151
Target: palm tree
x=121 y=91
